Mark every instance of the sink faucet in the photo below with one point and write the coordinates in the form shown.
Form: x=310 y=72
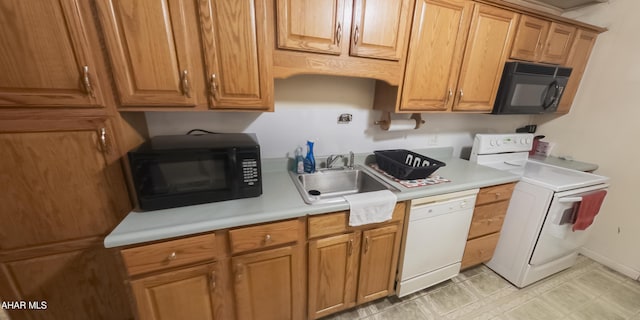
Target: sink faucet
x=333 y=158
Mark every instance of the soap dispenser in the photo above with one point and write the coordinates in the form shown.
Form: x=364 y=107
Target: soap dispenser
x=309 y=160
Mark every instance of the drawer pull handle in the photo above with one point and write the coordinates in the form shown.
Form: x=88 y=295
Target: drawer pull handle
x=267 y=239
x=172 y=256
x=498 y=194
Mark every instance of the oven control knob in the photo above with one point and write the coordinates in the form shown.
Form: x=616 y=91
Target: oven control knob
x=492 y=142
x=498 y=143
x=528 y=140
x=523 y=141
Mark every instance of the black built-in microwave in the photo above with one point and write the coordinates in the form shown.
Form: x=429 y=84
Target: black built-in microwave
x=181 y=170
x=529 y=88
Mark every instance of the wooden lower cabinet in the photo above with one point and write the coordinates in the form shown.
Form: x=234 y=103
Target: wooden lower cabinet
x=80 y=281
x=379 y=261
x=268 y=284
x=479 y=250
x=354 y=266
x=333 y=273
x=181 y=294
x=63 y=191
x=491 y=207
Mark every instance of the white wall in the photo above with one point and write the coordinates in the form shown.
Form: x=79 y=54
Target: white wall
x=603 y=127
x=307 y=107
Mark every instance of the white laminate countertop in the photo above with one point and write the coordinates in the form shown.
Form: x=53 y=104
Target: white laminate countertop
x=569 y=164
x=280 y=200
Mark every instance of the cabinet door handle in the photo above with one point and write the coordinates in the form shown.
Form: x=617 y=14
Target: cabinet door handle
x=104 y=142
x=366 y=244
x=350 y=247
x=212 y=280
x=339 y=33
x=213 y=85
x=446 y=100
x=86 y=80
x=356 y=36
x=460 y=95
x=186 y=89
x=239 y=271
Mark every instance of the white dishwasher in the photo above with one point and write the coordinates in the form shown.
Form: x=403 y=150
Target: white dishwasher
x=436 y=236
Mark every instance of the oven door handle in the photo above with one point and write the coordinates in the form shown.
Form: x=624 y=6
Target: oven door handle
x=570 y=199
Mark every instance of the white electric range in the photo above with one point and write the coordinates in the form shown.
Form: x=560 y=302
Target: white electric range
x=536 y=239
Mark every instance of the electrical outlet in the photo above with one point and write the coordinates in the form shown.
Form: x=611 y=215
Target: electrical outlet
x=432 y=140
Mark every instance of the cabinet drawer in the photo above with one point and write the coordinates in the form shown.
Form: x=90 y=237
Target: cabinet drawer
x=495 y=193
x=479 y=250
x=334 y=223
x=169 y=254
x=488 y=218
x=263 y=236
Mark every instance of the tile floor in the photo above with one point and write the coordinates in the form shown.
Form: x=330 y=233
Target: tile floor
x=588 y=291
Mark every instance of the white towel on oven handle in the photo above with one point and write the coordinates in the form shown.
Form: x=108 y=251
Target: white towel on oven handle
x=371 y=207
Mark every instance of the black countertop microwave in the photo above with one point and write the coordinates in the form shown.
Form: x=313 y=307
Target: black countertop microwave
x=181 y=170
x=528 y=88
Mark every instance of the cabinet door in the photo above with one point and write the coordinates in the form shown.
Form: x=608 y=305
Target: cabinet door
x=311 y=25
x=64 y=185
x=153 y=47
x=378 y=263
x=182 y=294
x=46 y=59
x=435 y=53
x=578 y=58
x=268 y=285
x=237 y=54
x=332 y=274
x=489 y=44
x=559 y=41
x=530 y=38
x=380 y=28
x=78 y=282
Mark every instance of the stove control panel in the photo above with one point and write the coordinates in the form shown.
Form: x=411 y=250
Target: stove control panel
x=501 y=143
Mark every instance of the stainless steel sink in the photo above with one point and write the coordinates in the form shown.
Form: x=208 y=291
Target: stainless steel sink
x=329 y=186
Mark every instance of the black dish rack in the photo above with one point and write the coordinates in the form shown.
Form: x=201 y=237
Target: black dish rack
x=406 y=165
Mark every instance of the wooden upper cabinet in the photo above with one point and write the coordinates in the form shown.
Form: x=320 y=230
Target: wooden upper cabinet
x=183 y=294
x=578 y=58
x=311 y=25
x=530 y=38
x=379 y=28
x=155 y=52
x=556 y=49
x=376 y=29
x=488 y=47
x=64 y=185
x=46 y=58
x=237 y=54
x=438 y=37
